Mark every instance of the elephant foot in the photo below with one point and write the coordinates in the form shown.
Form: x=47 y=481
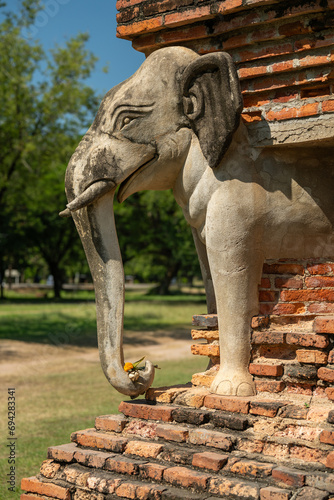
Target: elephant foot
x=235 y=384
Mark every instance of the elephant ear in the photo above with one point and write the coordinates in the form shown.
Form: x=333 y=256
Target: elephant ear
x=212 y=102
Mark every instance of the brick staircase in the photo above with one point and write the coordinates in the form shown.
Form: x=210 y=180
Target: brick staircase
x=186 y=443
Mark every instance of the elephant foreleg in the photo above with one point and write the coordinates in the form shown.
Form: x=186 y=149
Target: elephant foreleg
x=235 y=279
x=206 y=273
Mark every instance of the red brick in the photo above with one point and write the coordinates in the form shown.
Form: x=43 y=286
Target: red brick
x=186 y=478
x=62 y=453
x=265 y=408
x=172 y=433
x=251 y=468
x=127 y=15
x=293 y=432
x=281 y=309
x=330 y=460
x=251 y=116
x=152 y=471
x=33 y=485
x=267 y=296
x=123 y=4
x=283 y=66
x=290 y=477
x=330 y=393
x=320 y=308
x=327 y=437
x=284 y=95
x=275 y=352
x=250 y=101
x=143 y=429
x=146 y=411
x=326 y=374
x=205 y=349
x=227 y=403
x=28 y=496
x=250 y=446
x=144 y=42
x=288 y=283
x=123 y=465
x=294 y=28
x=177 y=455
x=188 y=16
x=268 y=337
x=93 y=439
x=208 y=460
x=283 y=269
x=307 y=340
x=307 y=295
x=269 y=385
x=260 y=322
x=186 y=33
x=282 y=114
x=149 y=491
x=272 y=493
x=143 y=449
x=139 y=27
x=112 y=423
x=323 y=325
x=319 y=281
x=293 y=411
x=152 y=8
x=286 y=309
x=307 y=454
x=229 y=5
x=49 y=469
x=267 y=51
x=210 y=438
x=311 y=356
x=227 y=487
x=91 y=458
x=305 y=389
x=237 y=41
x=328 y=106
x=263 y=34
x=127 y=490
x=279 y=451
x=322 y=269
x=266 y=370
x=331 y=357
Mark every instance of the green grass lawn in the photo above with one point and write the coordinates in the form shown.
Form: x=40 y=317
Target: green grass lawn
x=49 y=406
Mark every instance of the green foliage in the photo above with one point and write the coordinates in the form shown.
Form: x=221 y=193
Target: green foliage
x=45 y=107
x=155 y=239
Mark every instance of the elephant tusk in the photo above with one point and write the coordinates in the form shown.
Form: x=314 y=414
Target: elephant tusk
x=91 y=194
x=65 y=213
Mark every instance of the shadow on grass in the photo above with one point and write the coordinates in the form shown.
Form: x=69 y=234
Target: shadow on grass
x=59 y=328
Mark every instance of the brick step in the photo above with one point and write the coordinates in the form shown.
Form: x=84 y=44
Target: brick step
x=150 y=482
x=289 y=438
x=244 y=448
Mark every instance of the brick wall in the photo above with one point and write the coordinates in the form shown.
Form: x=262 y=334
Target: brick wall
x=292 y=338
x=283 y=49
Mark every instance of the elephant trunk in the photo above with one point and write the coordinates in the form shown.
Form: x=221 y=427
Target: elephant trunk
x=96 y=226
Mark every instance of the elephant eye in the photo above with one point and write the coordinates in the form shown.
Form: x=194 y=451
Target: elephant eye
x=126 y=120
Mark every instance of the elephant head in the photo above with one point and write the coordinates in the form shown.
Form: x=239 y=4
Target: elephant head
x=140 y=140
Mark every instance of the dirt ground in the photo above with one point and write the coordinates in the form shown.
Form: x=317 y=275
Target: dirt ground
x=17 y=357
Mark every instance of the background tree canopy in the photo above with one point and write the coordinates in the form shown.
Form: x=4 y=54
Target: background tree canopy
x=46 y=107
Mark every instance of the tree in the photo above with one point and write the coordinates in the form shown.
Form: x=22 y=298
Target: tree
x=155 y=239
x=45 y=107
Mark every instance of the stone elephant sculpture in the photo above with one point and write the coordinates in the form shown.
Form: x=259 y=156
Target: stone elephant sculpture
x=176 y=124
